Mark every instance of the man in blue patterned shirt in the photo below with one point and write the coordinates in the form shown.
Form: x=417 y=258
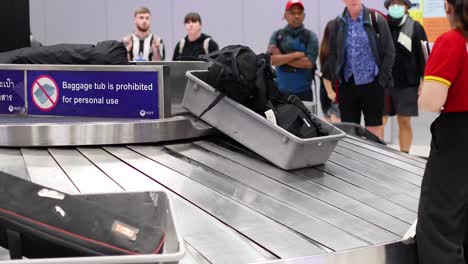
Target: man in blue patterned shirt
x=361 y=59
x=293 y=51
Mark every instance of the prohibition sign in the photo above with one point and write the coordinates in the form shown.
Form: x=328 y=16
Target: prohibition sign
x=44 y=93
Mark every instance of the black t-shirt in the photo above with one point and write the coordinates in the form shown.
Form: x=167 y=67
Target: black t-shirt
x=408 y=67
x=194 y=48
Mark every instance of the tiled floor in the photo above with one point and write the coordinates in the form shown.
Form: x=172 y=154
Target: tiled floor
x=421 y=134
x=416 y=150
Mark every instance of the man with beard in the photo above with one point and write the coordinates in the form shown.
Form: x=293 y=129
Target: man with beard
x=195 y=43
x=142 y=45
x=293 y=51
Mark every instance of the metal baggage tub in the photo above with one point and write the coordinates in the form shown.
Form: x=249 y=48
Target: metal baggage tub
x=173 y=252
x=270 y=141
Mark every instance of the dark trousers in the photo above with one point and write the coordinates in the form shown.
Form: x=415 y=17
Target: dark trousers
x=442 y=218
x=368 y=99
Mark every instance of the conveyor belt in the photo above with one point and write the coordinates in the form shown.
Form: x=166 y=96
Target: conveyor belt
x=30 y=131
x=235 y=208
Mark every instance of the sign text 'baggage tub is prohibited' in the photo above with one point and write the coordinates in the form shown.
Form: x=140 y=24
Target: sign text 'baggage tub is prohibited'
x=93 y=93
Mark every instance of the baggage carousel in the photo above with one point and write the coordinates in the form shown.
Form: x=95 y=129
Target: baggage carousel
x=231 y=205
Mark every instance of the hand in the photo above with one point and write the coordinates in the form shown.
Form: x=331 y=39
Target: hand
x=332 y=96
x=127 y=42
x=156 y=55
x=273 y=50
x=154 y=46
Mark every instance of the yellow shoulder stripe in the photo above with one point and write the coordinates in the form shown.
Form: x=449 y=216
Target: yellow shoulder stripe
x=437 y=79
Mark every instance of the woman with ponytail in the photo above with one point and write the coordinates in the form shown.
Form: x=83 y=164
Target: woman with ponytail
x=443 y=207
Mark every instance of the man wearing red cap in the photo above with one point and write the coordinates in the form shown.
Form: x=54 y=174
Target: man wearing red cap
x=293 y=51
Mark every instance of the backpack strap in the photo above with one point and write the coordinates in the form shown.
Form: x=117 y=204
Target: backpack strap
x=235 y=52
x=263 y=65
x=235 y=68
x=279 y=36
x=181 y=46
x=215 y=102
x=305 y=38
x=218 y=69
x=206 y=45
x=405 y=38
x=374 y=21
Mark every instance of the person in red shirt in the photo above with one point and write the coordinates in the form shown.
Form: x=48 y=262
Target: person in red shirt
x=442 y=228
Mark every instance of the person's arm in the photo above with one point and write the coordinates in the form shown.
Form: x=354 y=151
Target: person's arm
x=433 y=96
x=176 y=52
x=278 y=59
x=128 y=45
x=442 y=69
x=329 y=88
x=388 y=50
x=158 y=49
x=302 y=63
x=308 y=61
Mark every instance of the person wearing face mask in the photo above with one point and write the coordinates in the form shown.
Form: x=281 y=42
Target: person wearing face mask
x=195 y=43
x=408 y=69
x=293 y=51
x=442 y=229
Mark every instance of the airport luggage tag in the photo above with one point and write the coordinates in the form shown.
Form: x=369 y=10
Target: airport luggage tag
x=270 y=116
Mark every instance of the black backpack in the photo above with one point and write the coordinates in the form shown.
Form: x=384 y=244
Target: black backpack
x=234 y=73
x=240 y=74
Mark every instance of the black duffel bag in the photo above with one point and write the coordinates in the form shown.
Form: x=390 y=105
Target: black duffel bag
x=103 y=53
x=37 y=222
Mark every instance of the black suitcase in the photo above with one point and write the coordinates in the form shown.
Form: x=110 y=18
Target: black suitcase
x=38 y=222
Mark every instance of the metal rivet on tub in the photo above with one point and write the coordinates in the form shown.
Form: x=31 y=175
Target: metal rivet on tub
x=285 y=140
x=195 y=86
x=320 y=144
